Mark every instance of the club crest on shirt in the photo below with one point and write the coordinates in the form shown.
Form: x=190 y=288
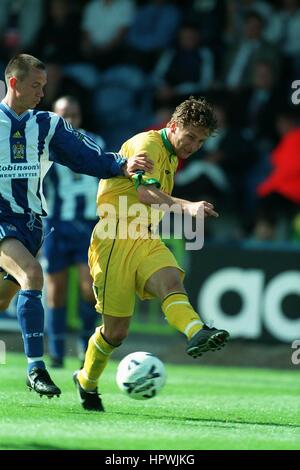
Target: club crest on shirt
x=77 y=134
x=18 y=151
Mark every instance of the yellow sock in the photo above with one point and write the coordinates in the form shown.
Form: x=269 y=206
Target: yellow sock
x=180 y=314
x=96 y=358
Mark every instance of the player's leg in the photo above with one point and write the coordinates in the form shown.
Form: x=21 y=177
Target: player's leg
x=57 y=288
x=160 y=276
x=100 y=347
x=57 y=249
x=102 y=343
x=17 y=261
x=166 y=284
x=88 y=314
x=8 y=290
x=113 y=271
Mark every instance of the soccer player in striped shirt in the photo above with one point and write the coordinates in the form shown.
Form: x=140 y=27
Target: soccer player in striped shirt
x=71 y=201
x=26 y=138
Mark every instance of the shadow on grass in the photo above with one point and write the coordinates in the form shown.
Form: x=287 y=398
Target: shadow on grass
x=230 y=423
x=28 y=446
x=216 y=422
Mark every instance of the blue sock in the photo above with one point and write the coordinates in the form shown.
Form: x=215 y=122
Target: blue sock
x=56 y=329
x=89 y=318
x=39 y=364
x=30 y=313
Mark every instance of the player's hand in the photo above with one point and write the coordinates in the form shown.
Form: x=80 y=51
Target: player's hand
x=196 y=208
x=139 y=162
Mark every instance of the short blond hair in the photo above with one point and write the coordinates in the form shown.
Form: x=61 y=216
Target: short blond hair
x=20 y=65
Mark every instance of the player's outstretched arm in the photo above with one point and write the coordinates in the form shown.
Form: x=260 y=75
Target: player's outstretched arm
x=81 y=154
x=152 y=195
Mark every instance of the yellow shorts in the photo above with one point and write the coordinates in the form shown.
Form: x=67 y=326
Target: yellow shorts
x=120 y=269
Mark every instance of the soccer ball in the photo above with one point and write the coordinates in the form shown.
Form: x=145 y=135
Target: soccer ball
x=141 y=375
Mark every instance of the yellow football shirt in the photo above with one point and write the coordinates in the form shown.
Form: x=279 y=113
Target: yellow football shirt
x=159 y=149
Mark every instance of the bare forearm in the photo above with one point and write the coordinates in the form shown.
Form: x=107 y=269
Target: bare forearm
x=157 y=197
x=153 y=196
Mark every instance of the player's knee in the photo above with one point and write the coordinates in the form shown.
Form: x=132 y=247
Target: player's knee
x=116 y=336
x=171 y=285
x=33 y=277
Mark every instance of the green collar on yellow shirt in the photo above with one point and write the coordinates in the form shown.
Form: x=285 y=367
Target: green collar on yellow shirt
x=166 y=142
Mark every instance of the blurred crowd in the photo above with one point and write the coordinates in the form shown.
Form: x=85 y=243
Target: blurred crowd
x=130 y=62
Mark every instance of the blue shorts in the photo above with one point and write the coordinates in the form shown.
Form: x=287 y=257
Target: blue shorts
x=68 y=244
x=27 y=228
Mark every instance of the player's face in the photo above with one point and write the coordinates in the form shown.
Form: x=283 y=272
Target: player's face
x=186 y=140
x=69 y=111
x=29 y=91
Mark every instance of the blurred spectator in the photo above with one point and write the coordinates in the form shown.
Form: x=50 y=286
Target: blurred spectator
x=121 y=103
x=184 y=70
x=58 y=40
x=234 y=153
x=58 y=44
x=20 y=21
x=154 y=28
x=237 y=10
x=257 y=106
x=284 y=31
x=209 y=16
x=241 y=57
x=104 y=25
x=280 y=192
x=261 y=7
x=161 y=117
x=284 y=178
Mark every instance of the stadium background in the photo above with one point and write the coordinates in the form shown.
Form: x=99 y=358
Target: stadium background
x=245 y=57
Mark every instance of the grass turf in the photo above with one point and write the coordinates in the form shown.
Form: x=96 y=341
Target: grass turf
x=200 y=408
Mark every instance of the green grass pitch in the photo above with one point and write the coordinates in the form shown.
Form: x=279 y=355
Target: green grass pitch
x=200 y=407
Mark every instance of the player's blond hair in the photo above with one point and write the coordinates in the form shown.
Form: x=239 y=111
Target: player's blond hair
x=20 y=65
x=196 y=112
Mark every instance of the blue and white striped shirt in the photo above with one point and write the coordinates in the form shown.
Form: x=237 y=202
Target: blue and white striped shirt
x=26 y=141
x=72 y=196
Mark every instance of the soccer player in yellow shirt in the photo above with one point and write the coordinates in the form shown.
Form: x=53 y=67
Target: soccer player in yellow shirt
x=125 y=257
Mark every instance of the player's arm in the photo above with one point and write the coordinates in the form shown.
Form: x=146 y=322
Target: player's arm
x=151 y=194
x=81 y=154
